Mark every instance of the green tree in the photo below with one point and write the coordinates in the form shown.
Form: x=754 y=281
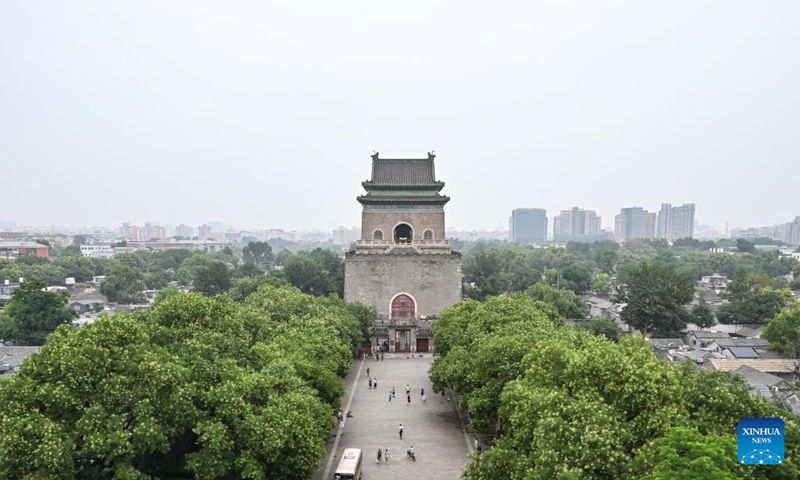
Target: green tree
x=655 y=297
x=308 y=275
x=245 y=286
x=755 y=305
x=686 y=454
x=165 y=293
x=783 y=332
x=71 y=251
x=79 y=240
x=157 y=280
x=201 y=387
x=578 y=277
x=248 y=269
x=282 y=257
x=257 y=252
x=33 y=313
x=744 y=246
x=83 y=269
x=602 y=285
x=602 y=327
x=212 y=278
x=123 y=284
x=702 y=314
x=565 y=302
x=606 y=261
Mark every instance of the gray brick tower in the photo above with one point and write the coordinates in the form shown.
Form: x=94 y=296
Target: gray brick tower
x=402 y=265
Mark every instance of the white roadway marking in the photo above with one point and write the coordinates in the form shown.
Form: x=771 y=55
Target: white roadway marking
x=344 y=422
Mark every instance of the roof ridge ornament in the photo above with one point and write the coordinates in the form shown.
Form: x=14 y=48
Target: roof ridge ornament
x=431 y=154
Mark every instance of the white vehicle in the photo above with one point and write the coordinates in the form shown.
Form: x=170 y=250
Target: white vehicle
x=350 y=466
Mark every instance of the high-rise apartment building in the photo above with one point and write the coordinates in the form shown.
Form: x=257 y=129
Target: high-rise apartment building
x=346 y=236
x=156 y=232
x=135 y=234
x=204 y=232
x=650 y=219
x=528 y=225
x=184 y=231
x=634 y=222
x=675 y=222
x=576 y=225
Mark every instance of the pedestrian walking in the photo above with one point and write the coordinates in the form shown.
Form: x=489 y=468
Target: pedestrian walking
x=401 y=431
x=408 y=389
x=390 y=397
x=423 y=398
x=370 y=383
x=422 y=392
x=368 y=371
x=375 y=383
x=392 y=391
x=386 y=456
x=379 y=456
x=409 y=400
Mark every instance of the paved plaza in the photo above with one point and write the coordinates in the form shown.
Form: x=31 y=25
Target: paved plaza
x=434 y=428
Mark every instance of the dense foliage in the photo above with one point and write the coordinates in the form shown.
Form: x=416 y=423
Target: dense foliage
x=200 y=387
x=33 y=313
x=654 y=300
x=497 y=268
x=571 y=405
x=783 y=332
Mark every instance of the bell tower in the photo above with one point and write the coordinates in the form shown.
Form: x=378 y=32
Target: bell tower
x=403 y=265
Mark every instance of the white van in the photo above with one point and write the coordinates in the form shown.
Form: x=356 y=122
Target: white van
x=350 y=466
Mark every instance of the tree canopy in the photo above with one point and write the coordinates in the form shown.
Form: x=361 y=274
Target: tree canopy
x=33 y=313
x=571 y=405
x=198 y=387
x=783 y=332
x=654 y=299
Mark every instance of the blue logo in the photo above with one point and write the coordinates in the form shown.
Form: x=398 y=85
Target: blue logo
x=761 y=441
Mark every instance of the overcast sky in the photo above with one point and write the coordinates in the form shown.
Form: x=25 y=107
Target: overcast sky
x=264 y=114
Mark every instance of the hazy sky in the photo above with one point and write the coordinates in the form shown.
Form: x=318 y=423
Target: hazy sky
x=264 y=114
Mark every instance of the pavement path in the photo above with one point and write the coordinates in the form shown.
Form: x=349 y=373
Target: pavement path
x=434 y=428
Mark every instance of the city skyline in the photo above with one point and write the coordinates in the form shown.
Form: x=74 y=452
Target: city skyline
x=266 y=114
x=612 y=226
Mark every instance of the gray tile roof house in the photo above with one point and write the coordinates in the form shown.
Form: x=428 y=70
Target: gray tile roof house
x=702 y=338
x=770 y=387
x=11 y=357
x=666 y=342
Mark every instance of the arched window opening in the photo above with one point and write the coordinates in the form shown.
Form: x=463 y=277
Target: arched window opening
x=427 y=235
x=403 y=307
x=403 y=233
x=377 y=235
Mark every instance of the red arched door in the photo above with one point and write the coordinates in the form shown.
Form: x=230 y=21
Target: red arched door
x=403 y=307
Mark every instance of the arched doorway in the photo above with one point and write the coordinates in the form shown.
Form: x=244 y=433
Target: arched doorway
x=403 y=306
x=403 y=233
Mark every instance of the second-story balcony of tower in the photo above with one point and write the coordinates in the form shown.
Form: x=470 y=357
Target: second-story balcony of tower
x=402 y=245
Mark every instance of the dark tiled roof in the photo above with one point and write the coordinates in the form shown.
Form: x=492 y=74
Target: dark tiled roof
x=701 y=334
x=666 y=342
x=741 y=342
x=754 y=376
x=403 y=172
